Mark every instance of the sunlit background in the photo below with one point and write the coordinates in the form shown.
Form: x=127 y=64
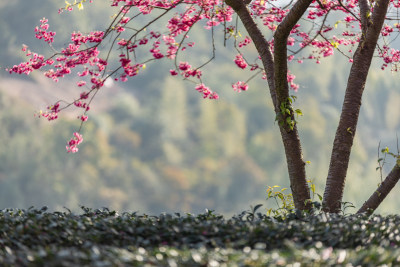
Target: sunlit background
x=154 y=145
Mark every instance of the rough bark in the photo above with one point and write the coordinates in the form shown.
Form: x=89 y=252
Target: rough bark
x=364 y=11
x=290 y=138
x=350 y=111
x=383 y=190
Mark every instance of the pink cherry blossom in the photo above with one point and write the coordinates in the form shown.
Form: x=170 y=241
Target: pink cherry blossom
x=240 y=62
x=135 y=44
x=72 y=146
x=240 y=86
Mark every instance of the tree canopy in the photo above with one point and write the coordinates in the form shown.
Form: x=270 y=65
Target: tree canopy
x=283 y=33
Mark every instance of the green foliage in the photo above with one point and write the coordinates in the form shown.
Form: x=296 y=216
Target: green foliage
x=283 y=200
x=105 y=238
x=285 y=204
x=286 y=113
x=382 y=159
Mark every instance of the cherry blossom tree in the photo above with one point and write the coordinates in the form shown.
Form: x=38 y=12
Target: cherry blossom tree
x=283 y=33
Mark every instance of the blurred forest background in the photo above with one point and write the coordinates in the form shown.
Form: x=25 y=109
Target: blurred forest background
x=153 y=144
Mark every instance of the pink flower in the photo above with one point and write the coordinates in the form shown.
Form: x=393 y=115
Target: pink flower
x=84 y=95
x=81 y=83
x=120 y=29
x=83 y=118
x=240 y=86
x=184 y=66
x=124 y=20
x=42 y=33
x=201 y=88
x=290 y=79
x=213 y=95
x=245 y=42
x=240 y=62
x=73 y=143
x=207 y=93
x=143 y=41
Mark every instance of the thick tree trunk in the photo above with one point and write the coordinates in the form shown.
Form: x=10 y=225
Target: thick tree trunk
x=280 y=93
x=350 y=111
x=383 y=190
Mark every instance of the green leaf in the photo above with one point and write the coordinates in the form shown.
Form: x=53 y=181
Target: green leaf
x=335 y=44
x=299 y=112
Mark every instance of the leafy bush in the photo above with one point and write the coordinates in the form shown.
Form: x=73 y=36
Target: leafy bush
x=106 y=238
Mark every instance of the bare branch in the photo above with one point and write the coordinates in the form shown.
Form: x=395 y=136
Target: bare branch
x=350 y=12
x=315 y=36
x=383 y=190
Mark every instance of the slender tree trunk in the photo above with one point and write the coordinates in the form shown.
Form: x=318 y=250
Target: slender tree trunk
x=280 y=93
x=350 y=111
x=383 y=190
x=290 y=136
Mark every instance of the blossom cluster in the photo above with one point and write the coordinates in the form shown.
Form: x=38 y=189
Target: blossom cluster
x=41 y=32
x=132 y=47
x=240 y=62
x=240 y=86
x=72 y=146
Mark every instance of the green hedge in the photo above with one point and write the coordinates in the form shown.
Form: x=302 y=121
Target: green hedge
x=105 y=238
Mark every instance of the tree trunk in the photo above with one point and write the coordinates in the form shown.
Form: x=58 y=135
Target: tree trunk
x=290 y=136
x=383 y=190
x=350 y=111
x=280 y=93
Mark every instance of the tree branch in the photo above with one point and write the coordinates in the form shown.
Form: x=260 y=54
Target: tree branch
x=261 y=44
x=349 y=11
x=280 y=47
x=383 y=190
